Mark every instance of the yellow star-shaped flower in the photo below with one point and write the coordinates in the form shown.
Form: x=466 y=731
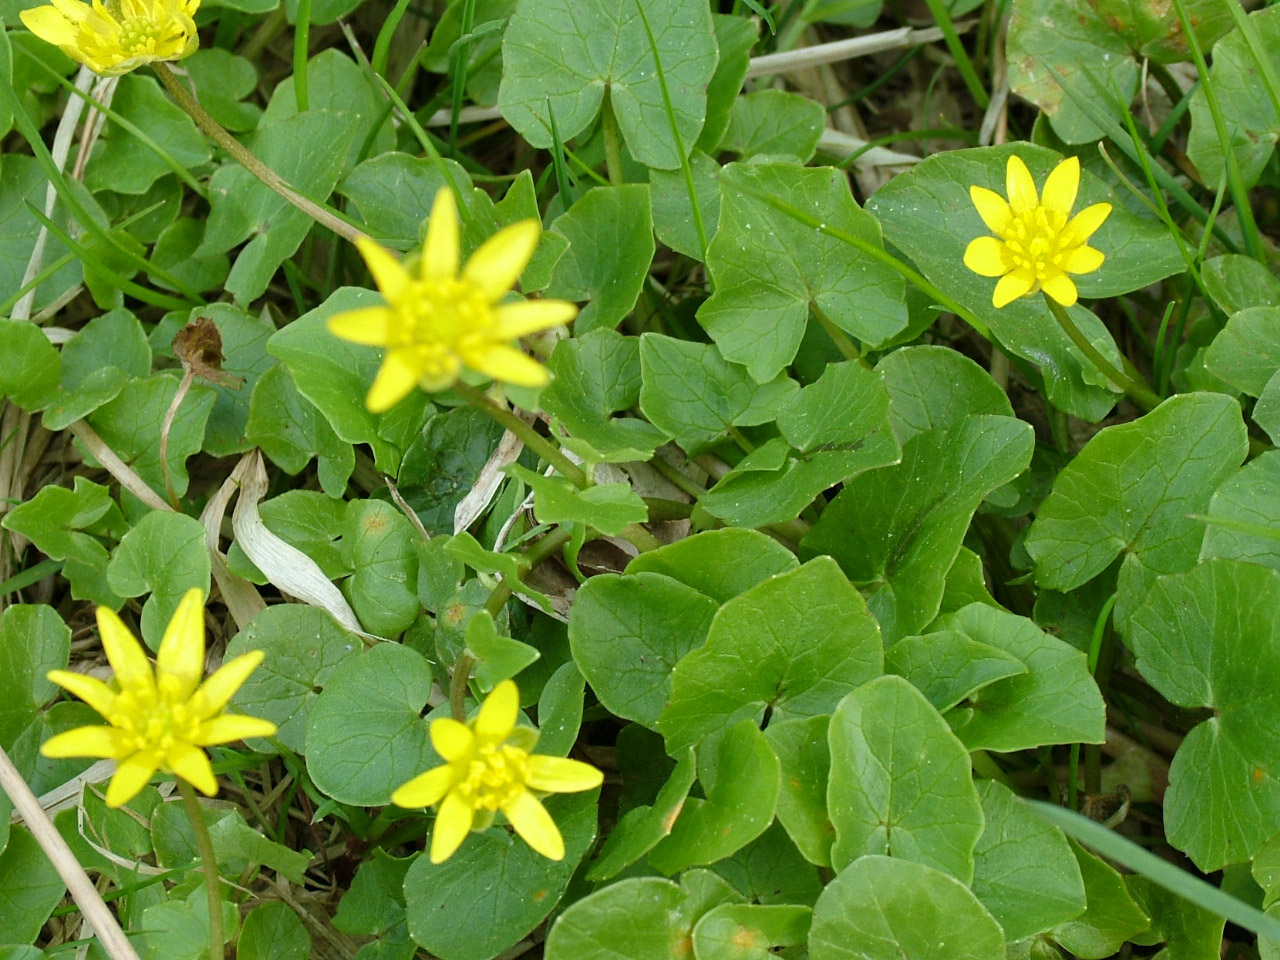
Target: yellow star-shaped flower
x=438 y=321
x=115 y=36
x=488 y=767
x=158 y=720
x=1037 y=242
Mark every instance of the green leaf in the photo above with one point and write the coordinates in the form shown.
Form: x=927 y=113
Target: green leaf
x=735 y=36
x=290 y=431
x=610 y=235
x=769 y=270
x=365 y=736
x=934 y=388
x=1023 y=870
x=607 y=507
x=719 y=563
x=224 y=80
x=1054 y=701
x=304 y=645
x=498 y=658
x=33 y=641
x=29 y=888
x=465 y=548
x=559 y=57
x=927 y=213
x=244 y=341
x=175 y=252
x=335 y=375
x=307 y=150
x=378 y=544
x=948 y=666
x=114 y=339
x=273 y=931
x=24 y=182
x=393 y=193
x=805 y=762
x=597 y=378
x=739 y=774
x=1111 y=916
x=374 y=903
x=1209 y=638
x=1250 y=496
x=164 y=555
x=774 y=123
x=1048 y=36
x=692 y=393
x=770 y=869
x=130 y=425
x=178 y=929
x=1236 y=282
x=896 y=531
x=749 y=931
x=882 y=908
x=792 y=646
x=122 y=163
x=836 y=428
x=628 y=632
x=1251 y=121
x=643 y=826
x=495 y=889
x=673 y=220
x=1128 y=493
x=1189 y=931
x=900 y=781
x=1246 y=353
x=29 y=376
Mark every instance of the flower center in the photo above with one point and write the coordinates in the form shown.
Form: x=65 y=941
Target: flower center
x=1038 y=240
x=153 y=721
x=139 y=36
x=443 y=312
x=495 y=777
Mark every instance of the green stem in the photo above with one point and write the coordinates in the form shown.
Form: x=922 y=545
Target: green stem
x=1139 y=393
x=238 y=152
x=458 y=686
x=612 y=142
x=301 y=47
x=848 y=349
x=208 y=865
x=640 y=538
x=532 y=439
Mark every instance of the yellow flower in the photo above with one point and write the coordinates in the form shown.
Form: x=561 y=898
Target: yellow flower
x=112 y=38
x=1035 y=244
x=439 y=321
x=158 y=720
x=488 y=768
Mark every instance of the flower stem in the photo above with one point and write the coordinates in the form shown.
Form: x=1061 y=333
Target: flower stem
x=1139 y=393
x=273 y=181
x=612 y=142
x=458 y=686
x=532 y=439
x=208 y=865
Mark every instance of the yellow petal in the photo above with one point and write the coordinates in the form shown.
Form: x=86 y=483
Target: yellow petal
x=396 y=379
x=89 y=689
x=557 y=775
x=497 y=265
x=1060 y=189
x=441 y=253
x=192 y=765
x=507 y=364
x=497 y=717
x=132 y=668
x=985 y=256
x=1060 y=287
x=1083 y=260
x=424 y=790
x=453 y=823
x=132 y=774
x=1019 y=185
x=231 y=727
x=370 y=326
x=74 y=11
x=1012 y=286
x=451 y=739
x=49 y=25
x=534 y=824
x=225 y=681
x=392 y=279
x=87 y=742
x=180 y=660
x=1088 y=220
x=514 y=320
x=992 y=208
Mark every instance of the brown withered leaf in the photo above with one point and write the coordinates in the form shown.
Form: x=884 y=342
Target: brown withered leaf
x=198 y=346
